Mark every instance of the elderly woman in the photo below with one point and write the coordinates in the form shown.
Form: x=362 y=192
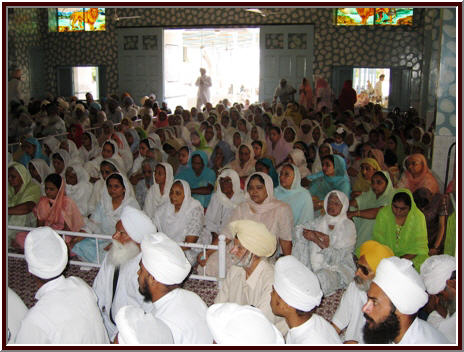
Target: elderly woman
x=23 y=195
x=181 y=218
x=200 y=178
x=222 y=155
x=402 y=227
x=159 y=191
x=325 y=245
x=78 y=187
x=367 y=205
x=418 y=175
x=117 y=194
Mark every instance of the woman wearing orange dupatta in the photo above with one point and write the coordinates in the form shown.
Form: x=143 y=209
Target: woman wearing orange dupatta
x=55 y=209
x=417 y=175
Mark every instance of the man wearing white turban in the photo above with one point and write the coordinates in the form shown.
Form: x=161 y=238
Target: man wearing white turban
x=66 y=311
x=250 y=278
x=395 y=296
x=162 y=270
x=233 y=324
x=295 y=295
x=349 y=313
x=439 y=275
x=135 y=327
x=116 y=282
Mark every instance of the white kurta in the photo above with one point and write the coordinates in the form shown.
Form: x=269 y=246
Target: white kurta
x=16 y=312
x=66 y=313
x=421 y=332
x=184 y=312
x=446 y=325
x=127 y=291
x=255 y=291
x=316 y=331
x=349 y=313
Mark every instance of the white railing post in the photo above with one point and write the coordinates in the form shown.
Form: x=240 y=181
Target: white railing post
x=222 y=258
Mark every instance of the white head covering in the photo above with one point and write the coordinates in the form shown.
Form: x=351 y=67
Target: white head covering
x=402 y=284
x=436 y=270
x=136 y=223
x=174 y=224
x=297 y=285
x=66 y=159
x=46 y=253
x=164 y=259
x=233 y=324
x=139 y=328
x=155 y=189
x=299 y=160
x=42 y=168
x=52 y=143
x=254 y=236
x=239 y=195
x=334 y=220
x=270 y=202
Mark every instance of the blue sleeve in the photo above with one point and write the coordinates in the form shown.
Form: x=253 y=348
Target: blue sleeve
x=345 y=187
x=314 y=176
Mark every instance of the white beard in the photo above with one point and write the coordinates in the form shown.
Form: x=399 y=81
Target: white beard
x=120 y=254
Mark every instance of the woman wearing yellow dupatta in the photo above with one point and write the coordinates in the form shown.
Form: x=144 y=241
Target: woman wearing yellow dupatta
x=362 y=183
x=402 y=227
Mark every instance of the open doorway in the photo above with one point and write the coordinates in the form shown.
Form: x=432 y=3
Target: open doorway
x=372 y=85
x=229 y=55
x=85 y=79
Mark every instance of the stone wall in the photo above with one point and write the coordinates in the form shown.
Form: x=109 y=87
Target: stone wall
x=333 y=46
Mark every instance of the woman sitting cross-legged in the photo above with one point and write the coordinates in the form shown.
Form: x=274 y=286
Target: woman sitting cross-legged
x=325 y=245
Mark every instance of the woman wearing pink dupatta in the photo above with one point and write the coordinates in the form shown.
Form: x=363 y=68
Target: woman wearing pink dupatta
x=278 y=148
x=306 y=94
x=324 y=95
x=55 y=209
x=417 y=175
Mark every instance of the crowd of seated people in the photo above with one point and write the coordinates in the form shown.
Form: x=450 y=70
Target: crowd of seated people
x=317 y=181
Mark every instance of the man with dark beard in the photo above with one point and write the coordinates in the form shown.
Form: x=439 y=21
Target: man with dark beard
x=349 y=312
x=395 y=296
x=250 y=278
x=439 y=275
x=162 y=270
x=116 y=282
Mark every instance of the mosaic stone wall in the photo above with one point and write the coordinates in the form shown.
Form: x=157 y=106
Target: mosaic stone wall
x=446 y=109
x=333 y=46
x=26 y=29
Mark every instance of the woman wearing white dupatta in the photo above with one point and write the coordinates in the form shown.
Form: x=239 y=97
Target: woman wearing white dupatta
x=89 y=148
x=219 y=210
x=78 y=187
x=181 y=218
x=110 y=149
x=326 y=244
x=71 y=148
x=104 y=219
x=159 y=191
x=39 y=169
x=59 y=162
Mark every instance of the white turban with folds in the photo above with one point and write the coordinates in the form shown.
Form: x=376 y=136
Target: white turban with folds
x=164 y=259
x=139 y=328
x=233 y=324
x=436 y=270
x=297 y=285
x=255 y=237
x=136 y=223
x=402 y=284
x=46 y=253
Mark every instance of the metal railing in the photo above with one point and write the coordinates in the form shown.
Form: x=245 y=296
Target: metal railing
x=220 y=247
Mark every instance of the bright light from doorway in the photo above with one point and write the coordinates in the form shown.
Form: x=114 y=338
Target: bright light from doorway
x=85 y=79
x=364 y=82
x=229 y=55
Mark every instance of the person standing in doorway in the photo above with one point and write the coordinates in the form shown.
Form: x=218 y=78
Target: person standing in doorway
x=285 y=92
x=378 y=89
x=203 y=83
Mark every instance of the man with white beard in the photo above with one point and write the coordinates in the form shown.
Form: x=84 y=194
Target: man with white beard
x=116 y=283
x=349 y=312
